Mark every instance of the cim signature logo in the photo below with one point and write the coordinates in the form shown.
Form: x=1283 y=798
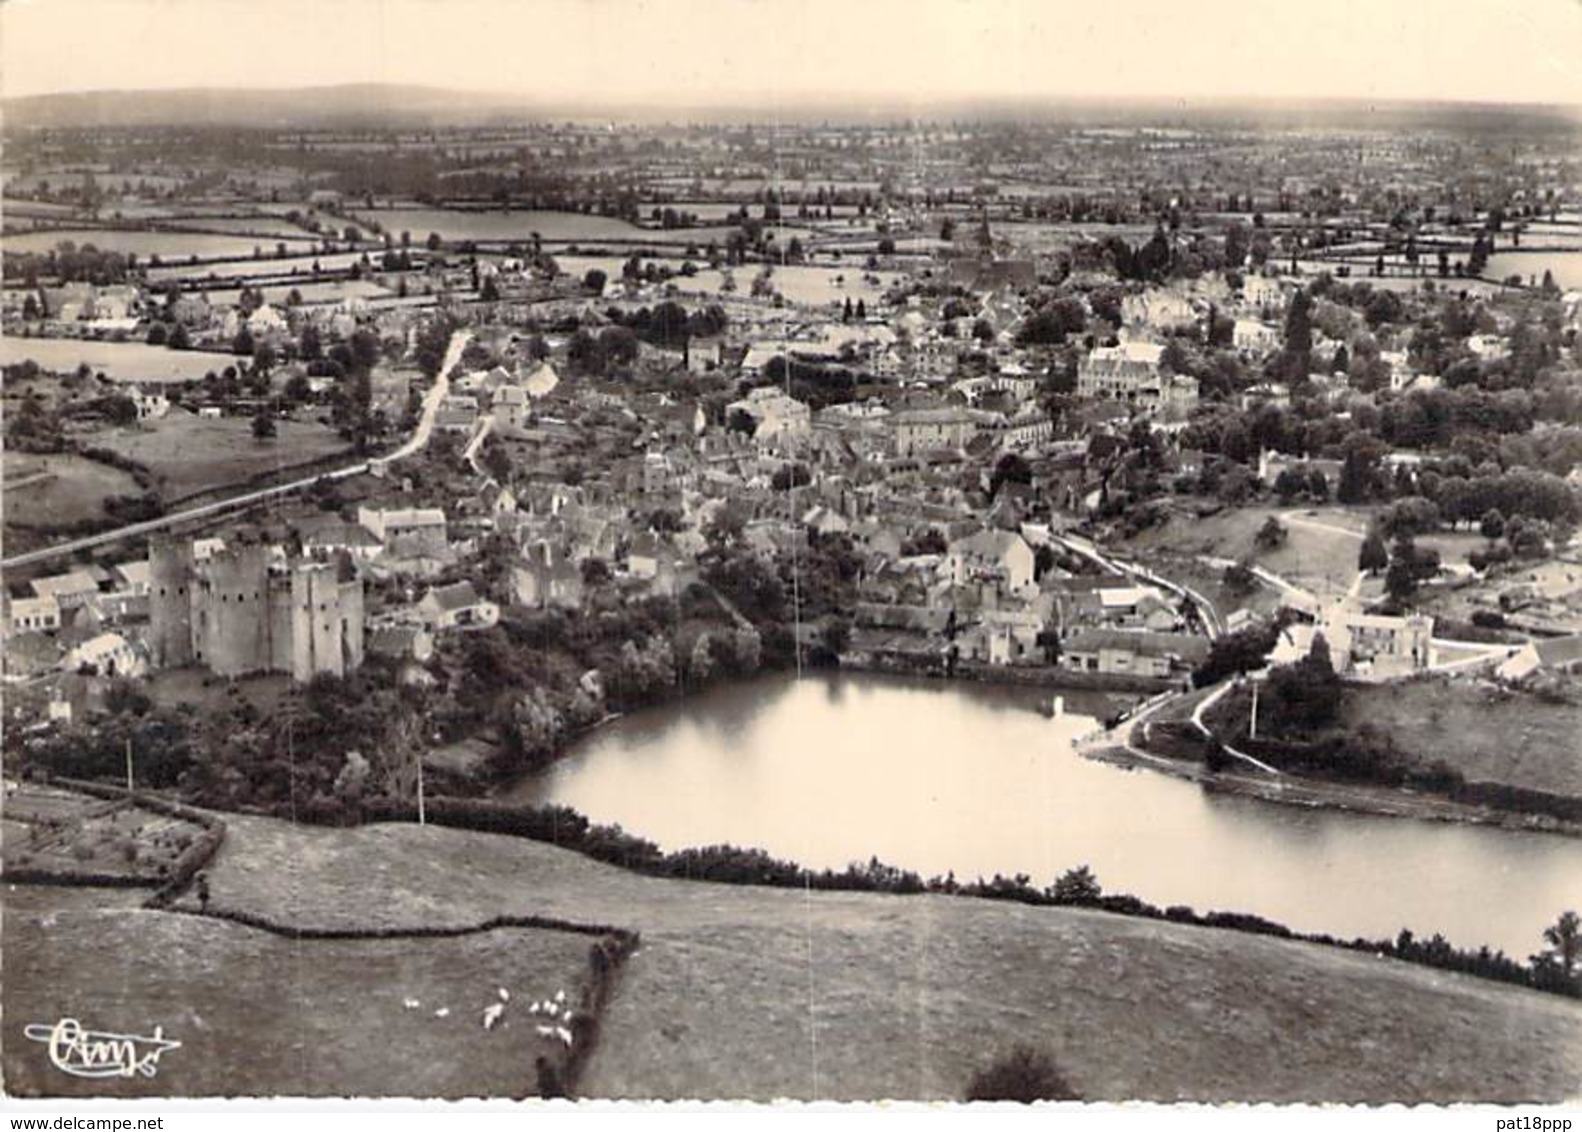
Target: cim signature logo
x=90 y=1053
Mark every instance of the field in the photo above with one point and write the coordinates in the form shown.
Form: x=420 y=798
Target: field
x=1566 y=266
x=188 y=454
x=277 y=227
x=333 y=291
x=1320 y=552
x=761 y=993
x=70 y=834
x=806 y=286
x=106 y=180
x=166 y=245
x=260 y=1014
x=59 y=489
x=16 y=208
x=520 y=225
x=269 y=266
x=1487 y=733
x=118 y=361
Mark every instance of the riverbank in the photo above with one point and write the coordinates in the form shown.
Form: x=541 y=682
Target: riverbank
x=1288 y=790
x=749 y=992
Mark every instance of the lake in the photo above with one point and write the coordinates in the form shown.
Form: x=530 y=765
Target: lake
x=829 y=769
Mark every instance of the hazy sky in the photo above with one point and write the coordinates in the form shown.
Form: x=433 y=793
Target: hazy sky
x=707 y=52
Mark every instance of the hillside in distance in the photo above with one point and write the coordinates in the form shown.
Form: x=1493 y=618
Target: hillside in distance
x=360 y=104
x=395 y=105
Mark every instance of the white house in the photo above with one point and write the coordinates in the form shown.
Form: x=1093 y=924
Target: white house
x=1254 y=335
x=457 y=606
x=1001 y=555
x=70 y=590
x=773 y=413
x=108 y=654
x=151 y=403
x=33 y=614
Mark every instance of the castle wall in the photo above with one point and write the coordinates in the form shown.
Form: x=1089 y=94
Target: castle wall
x=352 y=623
x=280 y=630
x=230 y=613
x=326 y=622
x=170 y=603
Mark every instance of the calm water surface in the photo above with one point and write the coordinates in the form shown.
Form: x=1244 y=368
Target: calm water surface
x=830 y=769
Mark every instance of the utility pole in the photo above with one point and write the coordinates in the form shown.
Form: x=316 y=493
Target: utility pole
x=1252 y=724
x=422 y=818
x=129 y=786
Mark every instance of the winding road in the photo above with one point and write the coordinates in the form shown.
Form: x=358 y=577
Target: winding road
x=413 y=444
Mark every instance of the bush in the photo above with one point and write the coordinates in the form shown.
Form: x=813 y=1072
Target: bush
x=1025 y=1074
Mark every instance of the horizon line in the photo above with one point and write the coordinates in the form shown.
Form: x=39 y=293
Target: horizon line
x=868 y=103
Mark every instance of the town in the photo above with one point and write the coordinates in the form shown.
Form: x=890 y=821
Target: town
x=356 y=475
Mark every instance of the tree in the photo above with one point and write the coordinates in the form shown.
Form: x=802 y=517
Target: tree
x=1305 y=696
x=618 y=345
x=1409 y=567
x=242 y=344
x=157 y=334
x=1492 y=525
x=835 y=635
x=1410 y=516
x=1564 y=938
x=1270 y=536
x=1077 y=886
x=1355 y=472
x=593 y=282
x=120 y=410
x=664 y=520
x=1289 y=484
x=496 y=461
x=1241 y=651
x=1299 y=328
x=264 y=359
x=264 y=424
x=1025 y=1075
x=1011 y=468
x=1374 y=555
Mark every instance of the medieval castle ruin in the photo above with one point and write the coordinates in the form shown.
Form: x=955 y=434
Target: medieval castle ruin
x=249 y=609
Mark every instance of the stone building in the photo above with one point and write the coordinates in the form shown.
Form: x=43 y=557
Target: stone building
x=927 y=430
x=246 y=609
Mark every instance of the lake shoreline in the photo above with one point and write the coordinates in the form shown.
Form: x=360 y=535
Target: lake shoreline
x=1311 y=793
x=479 y=779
